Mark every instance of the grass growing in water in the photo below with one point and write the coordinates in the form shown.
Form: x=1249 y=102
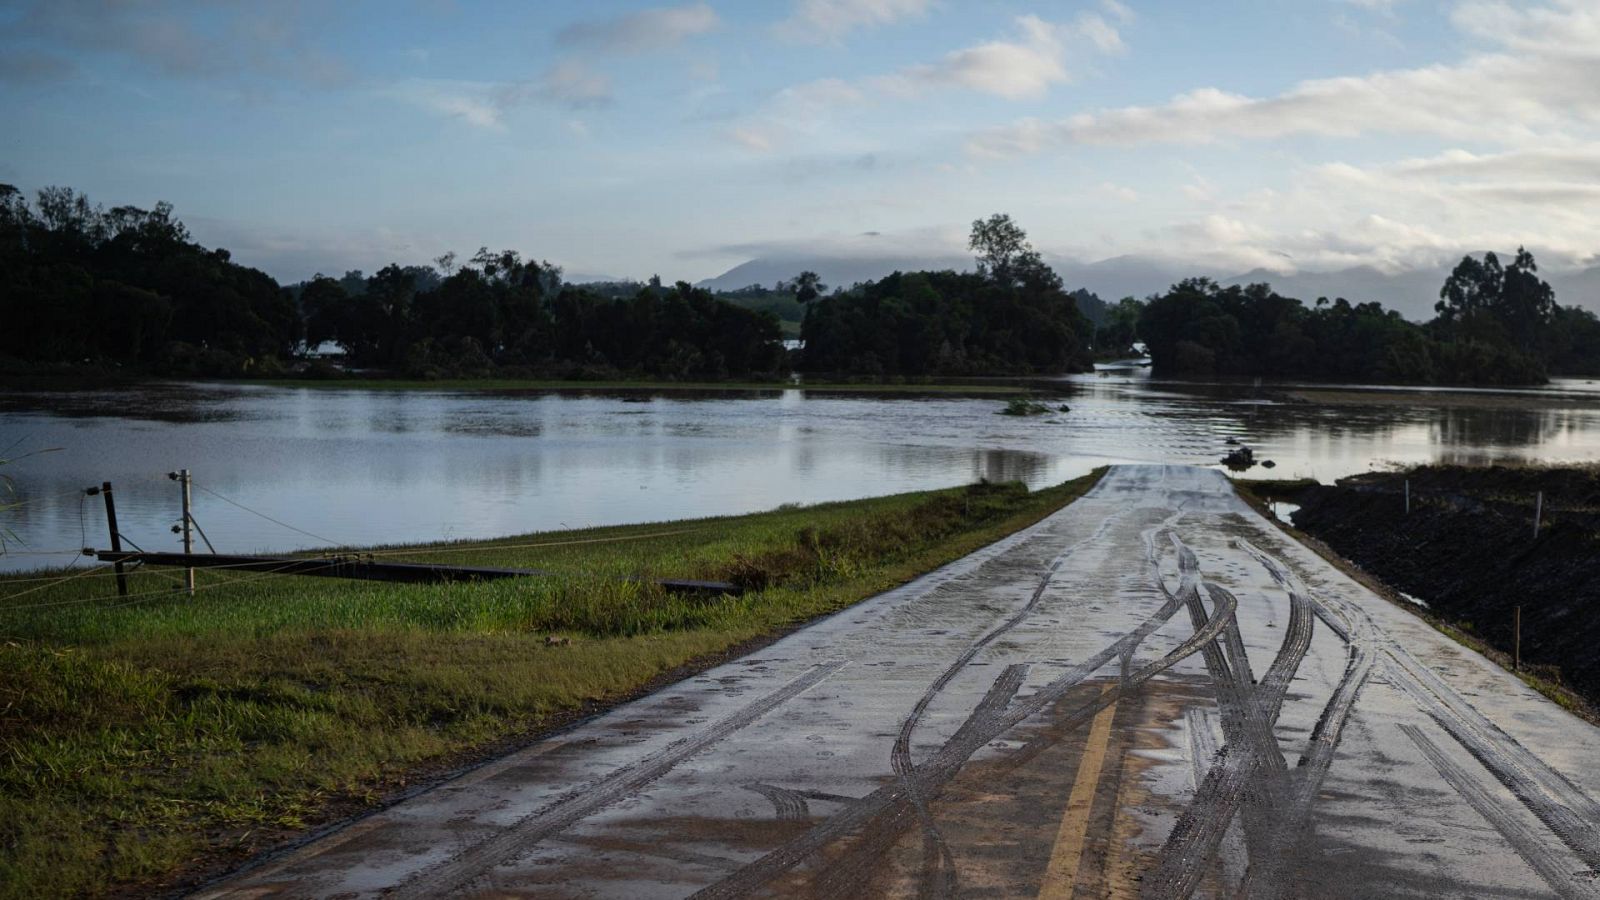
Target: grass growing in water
x=1022 y=406
x=160 y=736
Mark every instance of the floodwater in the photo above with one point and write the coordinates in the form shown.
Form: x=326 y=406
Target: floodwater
x=366 y=467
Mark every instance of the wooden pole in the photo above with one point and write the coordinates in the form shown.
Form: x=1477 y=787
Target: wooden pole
x=188 y=531
x=1408 y=496
x=1538 y=513
x=1516 y=642
x=116 y=539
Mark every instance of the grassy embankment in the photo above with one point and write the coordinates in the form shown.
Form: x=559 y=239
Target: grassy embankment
x=149 y=741
x=1376 y=575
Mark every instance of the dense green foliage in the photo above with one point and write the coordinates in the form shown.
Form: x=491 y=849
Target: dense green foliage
x=129 y=287
x=1011 y=316
x=1118 y=328
x=501 y=313
x=782 y=300
x=1495 y=326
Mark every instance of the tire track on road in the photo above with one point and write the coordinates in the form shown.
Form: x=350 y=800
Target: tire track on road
x=1546 y=793
x=883 y=809
x=787 y=805
x=936 y=853
x=1570 y=814
x=506 y=844
x=1528 y=843
x=1265 y=878
x=1249 y=757
x=937 y=876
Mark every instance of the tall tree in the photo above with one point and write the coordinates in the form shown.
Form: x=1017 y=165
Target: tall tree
x=1002 y=248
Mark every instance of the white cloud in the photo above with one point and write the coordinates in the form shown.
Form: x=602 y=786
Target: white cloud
x=1385 y=7
x=1022 y=67
x=934 y=241
x=1117 y=10
x=1200 y=190
x=1539 y=79
x=754 y=137
x=469 y=102
x=1408 y=214
x=485 y=104
x=1578 y=164
x=818 y=21
x=230 y=43
x=1014 y=69
x=1102 y=34
x=1118 y=192
x=642 y=31
x=568 y=82
x=801 y=109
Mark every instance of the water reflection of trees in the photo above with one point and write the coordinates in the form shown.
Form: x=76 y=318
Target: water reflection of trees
x=1009 y=465
x=1456 y=428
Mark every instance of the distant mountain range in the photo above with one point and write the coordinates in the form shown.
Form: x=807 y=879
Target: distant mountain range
x=836 y=271
x=1412 y=292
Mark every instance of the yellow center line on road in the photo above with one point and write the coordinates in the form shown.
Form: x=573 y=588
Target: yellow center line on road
x=1061 y=875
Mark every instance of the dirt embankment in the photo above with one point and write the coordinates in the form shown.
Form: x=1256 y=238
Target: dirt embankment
x=1467 y=549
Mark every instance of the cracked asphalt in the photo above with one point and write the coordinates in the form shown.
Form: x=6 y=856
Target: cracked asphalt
x=1153 y=693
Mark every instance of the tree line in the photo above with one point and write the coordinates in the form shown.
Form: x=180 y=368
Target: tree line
x=130 y=287
x=1010 y=316
x=81 y=284
x=1494 y=324
x=498 y=314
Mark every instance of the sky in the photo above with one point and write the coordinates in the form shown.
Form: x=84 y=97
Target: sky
x=627 y=139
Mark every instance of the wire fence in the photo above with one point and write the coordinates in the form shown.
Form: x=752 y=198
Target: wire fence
x=90 y=574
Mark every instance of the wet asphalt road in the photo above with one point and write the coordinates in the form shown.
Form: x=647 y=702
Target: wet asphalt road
x=1153 y=693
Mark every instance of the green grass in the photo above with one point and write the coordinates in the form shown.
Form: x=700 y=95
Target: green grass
x=514 y=384
x=148 y=740
x=1275 y=487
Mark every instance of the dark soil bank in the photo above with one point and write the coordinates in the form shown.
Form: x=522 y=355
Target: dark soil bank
x=1467 y=549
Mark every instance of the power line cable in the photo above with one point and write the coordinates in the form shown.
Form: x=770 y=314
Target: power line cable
x=118 y=601
x=427 y=551
x=63 y=579
x=263 y=515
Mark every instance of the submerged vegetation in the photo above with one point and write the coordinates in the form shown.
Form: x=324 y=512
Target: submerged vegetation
x=1022 y=406
x=153 y=738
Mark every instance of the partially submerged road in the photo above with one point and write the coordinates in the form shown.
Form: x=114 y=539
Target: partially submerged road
x=1153 y=693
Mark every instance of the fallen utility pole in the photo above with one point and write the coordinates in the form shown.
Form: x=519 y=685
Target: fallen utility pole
x=354 y=566
x=116 y=537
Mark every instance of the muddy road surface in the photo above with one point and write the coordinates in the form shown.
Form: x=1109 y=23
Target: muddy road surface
x=1153 y=693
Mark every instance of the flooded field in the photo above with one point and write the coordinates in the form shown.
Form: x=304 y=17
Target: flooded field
x=363 y=467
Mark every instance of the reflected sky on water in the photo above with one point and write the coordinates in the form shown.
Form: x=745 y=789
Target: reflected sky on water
x=367 y=467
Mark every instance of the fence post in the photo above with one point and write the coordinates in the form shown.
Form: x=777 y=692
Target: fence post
x=1516 y=642
x=1538 y=512
x=116 y=539
x=1408 y=496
